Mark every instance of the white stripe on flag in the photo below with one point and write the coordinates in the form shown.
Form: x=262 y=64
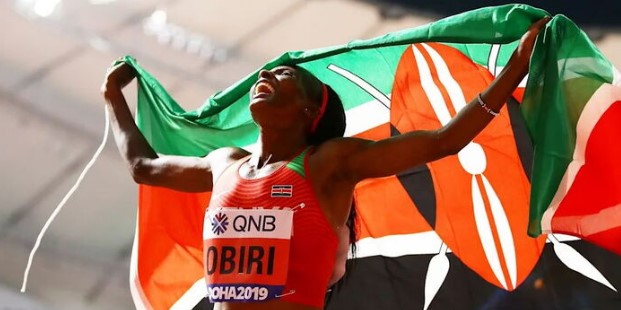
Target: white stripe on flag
x=399 y=245
x=135 y=287
x=431 y=89
x=423 y=243
x=455 y=93
x=366 y=116
x=192 y=296
x=360 y=82
x=492 y=61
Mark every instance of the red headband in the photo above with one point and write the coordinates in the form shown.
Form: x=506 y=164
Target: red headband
x=322 y=108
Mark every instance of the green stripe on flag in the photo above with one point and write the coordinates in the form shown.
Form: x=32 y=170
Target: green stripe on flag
x=224 y=119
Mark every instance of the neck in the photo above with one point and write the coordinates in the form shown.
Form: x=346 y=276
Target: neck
x=276 y=146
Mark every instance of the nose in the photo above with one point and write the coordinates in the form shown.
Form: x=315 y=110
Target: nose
x=266 y=74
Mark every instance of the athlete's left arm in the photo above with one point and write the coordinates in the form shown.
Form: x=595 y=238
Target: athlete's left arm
x=363 y=159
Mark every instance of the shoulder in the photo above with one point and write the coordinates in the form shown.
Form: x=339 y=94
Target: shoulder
x=331 y=157
x=225 y=155
x=339 y=148
x=220 y=159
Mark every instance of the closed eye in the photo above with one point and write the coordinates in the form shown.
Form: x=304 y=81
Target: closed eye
x=284 y=71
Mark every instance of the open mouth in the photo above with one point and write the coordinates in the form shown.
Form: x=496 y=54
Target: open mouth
x=263 y=89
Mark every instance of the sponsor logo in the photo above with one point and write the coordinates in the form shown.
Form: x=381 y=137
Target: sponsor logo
x=256 y=223
x=219 y=223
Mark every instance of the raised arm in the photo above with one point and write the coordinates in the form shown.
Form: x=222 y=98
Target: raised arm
x=189 y=174
x=365 y=159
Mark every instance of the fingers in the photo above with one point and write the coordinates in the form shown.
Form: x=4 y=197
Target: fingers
x=119 y=75
x=536 y=26
x=533 y=31
x=114 y=67
x=122 y=69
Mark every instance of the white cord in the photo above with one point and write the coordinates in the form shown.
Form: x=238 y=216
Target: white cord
x=64 y=200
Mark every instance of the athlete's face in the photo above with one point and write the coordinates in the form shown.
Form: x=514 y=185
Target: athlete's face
x=280 y=98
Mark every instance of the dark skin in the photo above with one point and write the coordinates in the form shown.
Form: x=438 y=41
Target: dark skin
x=282 y=107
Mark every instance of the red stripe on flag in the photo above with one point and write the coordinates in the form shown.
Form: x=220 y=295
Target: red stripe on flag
x=591 y=208
x=170 y=243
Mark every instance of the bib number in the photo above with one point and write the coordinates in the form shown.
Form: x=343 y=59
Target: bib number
x=246 y=253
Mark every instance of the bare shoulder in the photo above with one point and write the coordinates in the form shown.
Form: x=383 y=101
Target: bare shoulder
x=225 y=155
x=339 y=148
x=330 y=158
x=220 y=159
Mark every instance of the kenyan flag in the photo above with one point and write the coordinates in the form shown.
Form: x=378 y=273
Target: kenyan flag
x=573 y=112
x=450 y=234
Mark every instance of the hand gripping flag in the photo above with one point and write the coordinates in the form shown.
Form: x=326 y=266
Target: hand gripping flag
x=427 y=231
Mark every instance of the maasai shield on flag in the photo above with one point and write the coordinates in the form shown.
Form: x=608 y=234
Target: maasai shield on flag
x=448 y=234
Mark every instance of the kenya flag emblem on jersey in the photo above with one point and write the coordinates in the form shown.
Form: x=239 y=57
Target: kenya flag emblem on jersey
x=282 y=191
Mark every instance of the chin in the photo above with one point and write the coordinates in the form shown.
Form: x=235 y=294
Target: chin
x=257 y=106
x=259 y=113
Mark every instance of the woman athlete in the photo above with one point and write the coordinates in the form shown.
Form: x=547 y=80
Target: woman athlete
x=277 y=215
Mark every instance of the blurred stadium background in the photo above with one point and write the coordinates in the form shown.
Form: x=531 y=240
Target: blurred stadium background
x=53 y=57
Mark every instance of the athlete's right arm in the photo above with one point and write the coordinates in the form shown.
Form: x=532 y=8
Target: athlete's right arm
x=188 y=174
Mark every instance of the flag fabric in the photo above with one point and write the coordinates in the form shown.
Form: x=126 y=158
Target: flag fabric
x=459 y=223
x=573 y=113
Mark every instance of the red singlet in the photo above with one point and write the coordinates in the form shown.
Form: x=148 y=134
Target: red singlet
x=312 y=246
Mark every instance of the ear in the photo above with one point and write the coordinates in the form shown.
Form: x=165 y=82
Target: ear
x=310 y=112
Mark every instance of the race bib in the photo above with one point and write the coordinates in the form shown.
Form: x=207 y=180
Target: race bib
x=246 y=253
